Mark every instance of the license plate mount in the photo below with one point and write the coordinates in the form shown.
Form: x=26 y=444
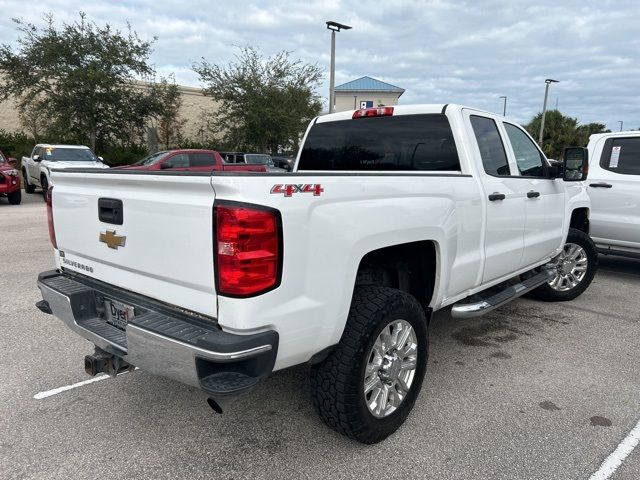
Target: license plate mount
x=117 y=313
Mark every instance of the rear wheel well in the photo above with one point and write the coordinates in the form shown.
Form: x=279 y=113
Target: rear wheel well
x=409 y=267
x=580 y=220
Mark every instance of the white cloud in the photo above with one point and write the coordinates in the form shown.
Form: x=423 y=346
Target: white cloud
x=467 y=52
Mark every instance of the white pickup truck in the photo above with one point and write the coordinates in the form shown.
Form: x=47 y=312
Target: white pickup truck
x=36 y=168
x=218 y=279
x=614 y=188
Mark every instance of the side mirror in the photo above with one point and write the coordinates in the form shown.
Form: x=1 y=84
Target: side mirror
x=576 y=164
x=36 y=158
x=101 y=159
x=166 y=165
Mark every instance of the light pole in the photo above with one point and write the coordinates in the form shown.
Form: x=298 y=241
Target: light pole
x=334 y=27
x=544 y=107
x=620 y=122
x=504 y=107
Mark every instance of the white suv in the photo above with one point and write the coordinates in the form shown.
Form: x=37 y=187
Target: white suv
x=614 y=188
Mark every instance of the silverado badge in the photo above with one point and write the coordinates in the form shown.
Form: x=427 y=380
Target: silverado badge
x=112 y=240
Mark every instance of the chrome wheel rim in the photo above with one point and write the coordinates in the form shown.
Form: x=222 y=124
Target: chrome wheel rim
x=571 y=268
x=391 y=368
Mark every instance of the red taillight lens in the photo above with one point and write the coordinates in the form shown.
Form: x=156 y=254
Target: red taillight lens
x=373 y=112
x=247 y=250
x=52 y=232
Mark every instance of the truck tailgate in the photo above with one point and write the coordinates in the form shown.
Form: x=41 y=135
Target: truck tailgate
x=163 y=247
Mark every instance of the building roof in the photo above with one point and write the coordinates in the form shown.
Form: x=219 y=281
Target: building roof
x=368 y=84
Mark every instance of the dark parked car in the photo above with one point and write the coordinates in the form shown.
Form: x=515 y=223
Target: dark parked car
x=284 y=162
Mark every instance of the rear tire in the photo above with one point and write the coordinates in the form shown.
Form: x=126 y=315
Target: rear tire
x=576 y=266
x=28 y=188
x=15 y=197
x=338 y=388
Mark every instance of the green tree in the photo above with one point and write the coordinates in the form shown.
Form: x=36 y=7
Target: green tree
x=265 y=103
x=80 y=77
x=168 y=122
x=561 y=131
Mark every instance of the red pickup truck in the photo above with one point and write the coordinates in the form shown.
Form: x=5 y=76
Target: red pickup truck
x=9 y=180
x=190 y=160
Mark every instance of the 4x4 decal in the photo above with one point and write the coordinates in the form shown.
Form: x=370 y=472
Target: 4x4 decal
x=289 y=189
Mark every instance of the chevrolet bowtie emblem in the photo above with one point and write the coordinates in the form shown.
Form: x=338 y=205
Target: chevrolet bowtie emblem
x=112 y=240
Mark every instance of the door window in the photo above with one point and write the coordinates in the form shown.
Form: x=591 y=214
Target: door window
x=621 y=155
x=528 y=157
x=180 y=160
x=492 y=151
x=201 y=160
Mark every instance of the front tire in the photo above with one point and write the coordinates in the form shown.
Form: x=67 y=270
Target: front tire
x=575 y=268
x=15 y=197
x=45 y=187
x=28 y=188
x=369 y=383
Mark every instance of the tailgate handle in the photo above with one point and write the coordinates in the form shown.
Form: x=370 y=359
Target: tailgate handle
x=110 y=210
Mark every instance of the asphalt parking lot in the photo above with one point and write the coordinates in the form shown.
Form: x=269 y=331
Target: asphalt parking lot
x=534 y=390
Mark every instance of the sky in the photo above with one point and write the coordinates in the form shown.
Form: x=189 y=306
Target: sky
x=467 y=52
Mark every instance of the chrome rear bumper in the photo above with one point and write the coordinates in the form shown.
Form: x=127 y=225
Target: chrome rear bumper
x=160 y=338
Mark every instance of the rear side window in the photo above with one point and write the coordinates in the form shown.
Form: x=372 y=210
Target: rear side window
x=621 y=155
x=494 y=158
x=201 y=160
x=393 y=143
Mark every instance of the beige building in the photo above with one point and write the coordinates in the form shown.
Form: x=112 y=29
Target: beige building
x=193 y=112
x=366 y=92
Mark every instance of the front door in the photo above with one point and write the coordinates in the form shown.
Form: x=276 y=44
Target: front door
x=543 y=198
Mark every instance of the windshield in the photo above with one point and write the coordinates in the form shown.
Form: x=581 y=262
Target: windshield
x=151 y=159
x=68 y=155
x=259 y=159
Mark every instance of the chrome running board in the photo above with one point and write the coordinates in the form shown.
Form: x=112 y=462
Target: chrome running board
x=477 y=309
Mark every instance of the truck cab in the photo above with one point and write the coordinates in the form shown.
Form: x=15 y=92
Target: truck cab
x=614 y=188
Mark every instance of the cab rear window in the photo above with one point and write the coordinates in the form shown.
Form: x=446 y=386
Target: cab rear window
x=391 y=143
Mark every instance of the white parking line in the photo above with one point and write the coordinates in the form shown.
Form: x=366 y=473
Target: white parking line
x=613 y=461
x=55 y=391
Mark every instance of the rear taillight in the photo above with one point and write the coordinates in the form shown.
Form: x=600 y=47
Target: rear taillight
x=52 y=232
x=248 y=249
x=373 y=112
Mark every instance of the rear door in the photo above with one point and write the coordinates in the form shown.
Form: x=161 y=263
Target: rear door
x=505 y=215
x=543 y=197
x=161 y=247
x=614 y=188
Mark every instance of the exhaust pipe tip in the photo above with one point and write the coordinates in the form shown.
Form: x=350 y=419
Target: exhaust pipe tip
x=214 y=405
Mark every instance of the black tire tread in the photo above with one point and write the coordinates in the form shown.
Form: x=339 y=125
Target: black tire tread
x=28 y=188
x=15 y=197
x=335 y=381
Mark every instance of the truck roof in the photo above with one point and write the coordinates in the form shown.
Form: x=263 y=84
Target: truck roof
x=402 y=110
x=629 y=133
x=62 y=146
